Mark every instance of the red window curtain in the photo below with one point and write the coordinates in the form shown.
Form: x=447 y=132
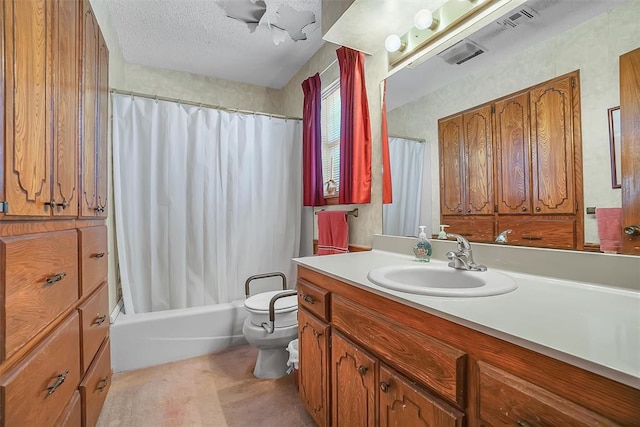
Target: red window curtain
x=355 y=130
x=312 y=189
x=387 y=196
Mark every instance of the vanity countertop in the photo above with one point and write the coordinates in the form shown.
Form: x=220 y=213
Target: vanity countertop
x=590 y=326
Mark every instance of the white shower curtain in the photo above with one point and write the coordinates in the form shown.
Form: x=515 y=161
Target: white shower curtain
x=204 y=199
x=406 y=158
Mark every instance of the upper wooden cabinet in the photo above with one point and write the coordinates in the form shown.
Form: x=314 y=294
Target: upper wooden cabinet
x=95 y=92
x=513 y=155
x=41 y=90
x=552 y=147
x=466 y=165
x=529 y=145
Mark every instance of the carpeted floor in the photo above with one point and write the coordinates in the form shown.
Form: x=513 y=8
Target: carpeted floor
x=213 y=390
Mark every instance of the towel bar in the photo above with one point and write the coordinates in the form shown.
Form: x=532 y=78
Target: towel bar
x=353 y=212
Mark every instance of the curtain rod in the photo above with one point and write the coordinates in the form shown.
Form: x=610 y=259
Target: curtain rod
x=410 y=139
x=199 y=104
x=335 y=61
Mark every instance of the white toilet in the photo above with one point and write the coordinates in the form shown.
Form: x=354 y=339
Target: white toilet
x=271 y=338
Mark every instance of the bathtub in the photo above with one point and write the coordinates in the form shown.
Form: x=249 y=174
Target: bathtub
x=148 y=339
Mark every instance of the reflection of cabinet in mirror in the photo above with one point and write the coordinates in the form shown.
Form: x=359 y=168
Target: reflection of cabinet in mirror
x=528 y=145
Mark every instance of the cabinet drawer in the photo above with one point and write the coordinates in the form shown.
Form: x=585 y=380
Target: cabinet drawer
x=558 y=234
x=314 y=299
x=93 y=257
x=95 y=385
x=423 y=408
x=36 y=391
x=505 y=399
x=40 y=278
x=475 y=229
x=72 y=414
x=433 y=363
x=94 y=321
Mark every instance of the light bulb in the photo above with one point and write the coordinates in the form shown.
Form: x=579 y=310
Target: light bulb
x=392 y=43
x=423 y=19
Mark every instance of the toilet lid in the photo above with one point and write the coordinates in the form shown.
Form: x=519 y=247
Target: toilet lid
x=260 y=302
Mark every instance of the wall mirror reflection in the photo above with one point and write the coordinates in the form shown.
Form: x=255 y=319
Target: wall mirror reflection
x=614 y=146
x=527 y=57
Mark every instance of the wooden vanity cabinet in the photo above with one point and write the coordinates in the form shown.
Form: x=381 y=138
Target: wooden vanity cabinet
x=313 y=373
x=394 y=365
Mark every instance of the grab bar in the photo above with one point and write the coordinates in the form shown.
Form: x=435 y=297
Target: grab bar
x=272 y=311
x=264 y=276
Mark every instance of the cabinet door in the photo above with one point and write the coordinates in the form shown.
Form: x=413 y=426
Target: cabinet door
x=27 y=144
x=90 y=73
x=451 y=161
x=513 y=155
x=630 y=125
x=103 y=125
x=552 y=148
x=478 y=162
x=66 y=100
x=313 y=373
x=353 y=379
x=404 y=404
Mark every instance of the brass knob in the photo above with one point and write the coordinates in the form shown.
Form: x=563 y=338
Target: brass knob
x=64 y=204
x=102 y=384
x=99 y=320
x=384 y=386
x=524 y=209
x=59 y=380
x=56 y=278
x=537 y=208
x=52 y=204
x=459 y=210
x=362 y=369
x=632 y=230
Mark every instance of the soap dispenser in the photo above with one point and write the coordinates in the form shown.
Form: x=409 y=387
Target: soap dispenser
x=442 y=234
x=422 y=248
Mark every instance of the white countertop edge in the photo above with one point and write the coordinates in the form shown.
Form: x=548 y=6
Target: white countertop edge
x=603 y=370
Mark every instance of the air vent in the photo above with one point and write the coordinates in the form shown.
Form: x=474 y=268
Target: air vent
x=519 y=16
x=461 y=52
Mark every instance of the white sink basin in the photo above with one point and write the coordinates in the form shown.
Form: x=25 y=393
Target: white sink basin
x=441 y=281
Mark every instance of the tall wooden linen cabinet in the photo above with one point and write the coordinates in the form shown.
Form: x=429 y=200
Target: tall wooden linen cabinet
x=55 y=366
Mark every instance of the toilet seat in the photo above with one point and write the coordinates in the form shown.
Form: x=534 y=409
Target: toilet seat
x=286 y=309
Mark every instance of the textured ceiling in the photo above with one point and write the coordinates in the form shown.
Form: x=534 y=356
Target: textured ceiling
x=197 y=36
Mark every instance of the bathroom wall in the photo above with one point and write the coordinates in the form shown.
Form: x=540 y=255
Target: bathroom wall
x=593 y=48
x=116 y=78
x=196 y=88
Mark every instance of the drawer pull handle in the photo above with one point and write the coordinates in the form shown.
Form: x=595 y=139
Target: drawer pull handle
x=56 y=278
x=362 y=369
x=522 y=423
x=531 y=238
x=99 y=320
x=52 y=204
x=317 y=334
x=384 y=387
x=102 y=384
x=98 y=255
x=308 y=299
x=52 y=389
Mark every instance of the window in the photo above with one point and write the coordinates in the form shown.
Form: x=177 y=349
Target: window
x=331 y=139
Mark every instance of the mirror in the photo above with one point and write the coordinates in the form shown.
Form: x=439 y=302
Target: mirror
x=517 y=55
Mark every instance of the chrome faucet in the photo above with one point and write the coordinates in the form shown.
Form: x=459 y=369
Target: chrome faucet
x=462 y=259
x=502 y=236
